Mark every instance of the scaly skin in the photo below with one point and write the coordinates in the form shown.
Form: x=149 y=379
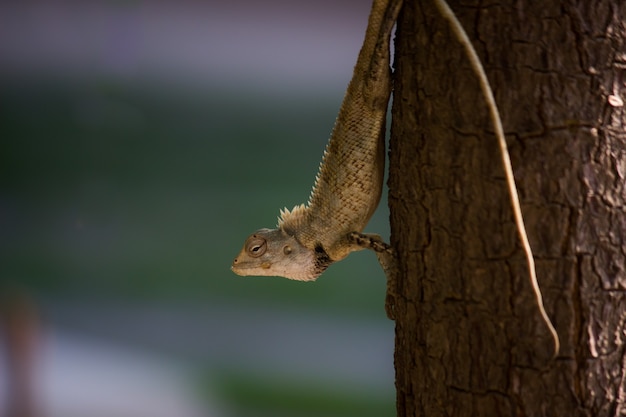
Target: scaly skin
x=348 y=186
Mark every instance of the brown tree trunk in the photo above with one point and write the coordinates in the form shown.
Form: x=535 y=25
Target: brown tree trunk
x=469 y=337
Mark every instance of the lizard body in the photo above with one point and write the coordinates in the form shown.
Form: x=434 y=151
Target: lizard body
x=348 y=186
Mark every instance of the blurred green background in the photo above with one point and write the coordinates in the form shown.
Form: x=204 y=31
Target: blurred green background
x=126 y=191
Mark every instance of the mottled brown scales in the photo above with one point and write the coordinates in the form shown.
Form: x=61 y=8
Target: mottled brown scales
x=348 y=186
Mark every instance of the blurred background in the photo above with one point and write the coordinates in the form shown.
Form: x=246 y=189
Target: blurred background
x=140 y=144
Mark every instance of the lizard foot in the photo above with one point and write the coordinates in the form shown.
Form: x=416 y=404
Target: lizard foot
x=369 y=241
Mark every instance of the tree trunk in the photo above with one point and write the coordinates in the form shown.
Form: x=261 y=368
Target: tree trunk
x=469 y=337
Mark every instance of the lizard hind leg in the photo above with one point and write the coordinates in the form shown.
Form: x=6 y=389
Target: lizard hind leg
x=387 y=260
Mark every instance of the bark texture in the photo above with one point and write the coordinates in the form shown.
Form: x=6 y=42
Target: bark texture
x=469 y=337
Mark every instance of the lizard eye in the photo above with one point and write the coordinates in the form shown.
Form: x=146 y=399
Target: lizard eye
x=287 y=250
x=256 y=247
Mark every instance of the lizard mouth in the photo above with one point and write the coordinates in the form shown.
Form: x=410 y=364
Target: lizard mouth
x=238 y=269
x=243 y=269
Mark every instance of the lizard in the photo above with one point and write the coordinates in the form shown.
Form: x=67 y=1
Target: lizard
x=348 y=186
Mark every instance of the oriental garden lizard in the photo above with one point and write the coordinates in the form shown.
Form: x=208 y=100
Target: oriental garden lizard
x=348 y=186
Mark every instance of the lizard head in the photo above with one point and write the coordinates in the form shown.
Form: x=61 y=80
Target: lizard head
x=273 y=252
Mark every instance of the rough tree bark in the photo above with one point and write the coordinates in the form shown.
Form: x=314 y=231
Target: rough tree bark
x=469 y=338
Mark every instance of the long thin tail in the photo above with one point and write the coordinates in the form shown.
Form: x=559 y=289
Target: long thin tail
x=506 y=159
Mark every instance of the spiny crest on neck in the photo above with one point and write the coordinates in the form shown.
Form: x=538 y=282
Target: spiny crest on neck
x=322 y=172
x=292 y=220
x=298 y=216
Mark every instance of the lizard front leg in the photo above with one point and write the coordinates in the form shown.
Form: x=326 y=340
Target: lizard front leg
x=387 y=260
